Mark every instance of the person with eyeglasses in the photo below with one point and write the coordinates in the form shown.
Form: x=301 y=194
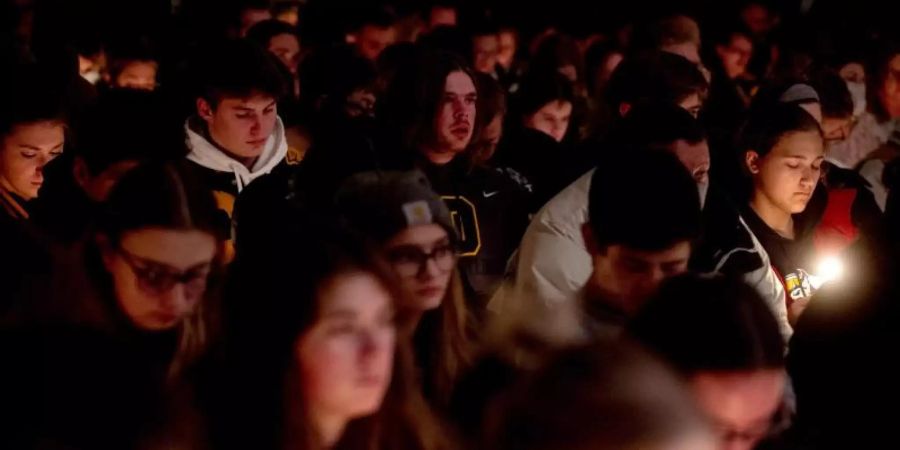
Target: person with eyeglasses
x=401 y=214
x=125 y=317
x=720 y=336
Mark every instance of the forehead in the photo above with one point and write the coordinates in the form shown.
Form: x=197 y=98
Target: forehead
x=459 y=83
x=180 y=249
x=420 y=235
x=487 y=40
x=677 y=252
x=740 y=396
x=805 y=144
x=356 y=291
x=557 y=107
x=739 y=40
x=256 y=101
x=38 y=133
x=284 y=40
x=140 y=66
x=377 y=33
x=894 y=64
x=682 y=147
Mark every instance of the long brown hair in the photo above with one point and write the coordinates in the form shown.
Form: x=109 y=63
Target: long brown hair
x=444 y=344
x=274 y=300
x=164 y=195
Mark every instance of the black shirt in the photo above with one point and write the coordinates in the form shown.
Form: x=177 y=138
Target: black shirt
x=793 y=259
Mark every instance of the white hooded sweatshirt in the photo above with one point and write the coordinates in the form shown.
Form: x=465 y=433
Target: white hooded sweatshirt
x=207 y=154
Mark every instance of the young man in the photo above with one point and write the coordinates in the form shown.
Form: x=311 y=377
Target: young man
x=236 y=137
x=252 y=12
x=486 y=48
x=430 y=107
x=553 y=263
x=133 y=66
x=637 y=234
x=376 y=32
x=655 y=77
x=442 y=14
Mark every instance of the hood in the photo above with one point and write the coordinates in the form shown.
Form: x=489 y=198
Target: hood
x=207 y=154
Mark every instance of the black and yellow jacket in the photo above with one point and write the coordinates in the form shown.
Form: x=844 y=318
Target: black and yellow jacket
x=227 y=177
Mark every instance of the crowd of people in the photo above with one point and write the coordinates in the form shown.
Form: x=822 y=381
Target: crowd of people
x=315 y=225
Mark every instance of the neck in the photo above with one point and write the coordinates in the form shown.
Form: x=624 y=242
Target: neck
x=330 y=428
x=438 y=157
x=776 y=218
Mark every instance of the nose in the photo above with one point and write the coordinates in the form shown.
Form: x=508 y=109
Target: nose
x=370 y=347
x=176 y=300
x=429 y=270
x=460 y=110
x=809 y=178
x=256 y=126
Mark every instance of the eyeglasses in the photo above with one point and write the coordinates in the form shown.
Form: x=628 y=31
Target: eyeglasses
x=410 y=261
x=156 y=278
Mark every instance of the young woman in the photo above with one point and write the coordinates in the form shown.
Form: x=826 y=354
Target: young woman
x=316 y=358
x=413 y=227
x=873 y=127
x=769 y=239
x=126 y=315
x=150 y=267
x=32 y=133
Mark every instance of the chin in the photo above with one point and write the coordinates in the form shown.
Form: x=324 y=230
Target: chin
x=368 y=403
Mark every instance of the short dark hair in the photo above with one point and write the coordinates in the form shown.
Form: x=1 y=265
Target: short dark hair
x=483 y=27
x=263 y=32
x=128 y=125
x=237 y=68
x=30 y=95
x=448 y=39
x=333 y=73
x=724 y=33
x=379 y=17
x=703 y=323
x=767 y=126
x=658 y=124
x=541 y=87
x=556 y=51
x=123 y=53
x=644 y=199
x=655 y=77
x=834 y=96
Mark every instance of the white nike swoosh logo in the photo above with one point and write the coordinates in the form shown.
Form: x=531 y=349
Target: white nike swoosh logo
x=490 y=194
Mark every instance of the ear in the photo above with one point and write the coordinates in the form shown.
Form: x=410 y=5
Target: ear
x=204 y=110
x=350 y=38
x=751 y=160
x=81 y=173
x=624 y=108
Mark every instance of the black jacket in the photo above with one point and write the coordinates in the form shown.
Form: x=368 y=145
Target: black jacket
x=548 y=166
x=491 y=212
